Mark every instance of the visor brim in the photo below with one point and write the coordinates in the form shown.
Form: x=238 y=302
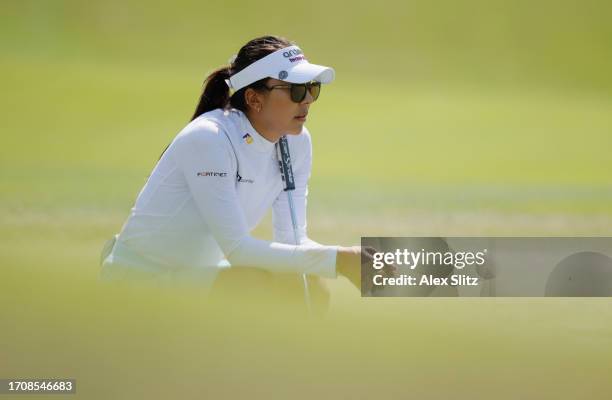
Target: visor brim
x=306 y=72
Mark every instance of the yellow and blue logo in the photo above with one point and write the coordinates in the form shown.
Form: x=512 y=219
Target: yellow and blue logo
x=248 y=138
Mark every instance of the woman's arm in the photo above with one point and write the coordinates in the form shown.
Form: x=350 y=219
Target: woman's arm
x=348 y=259
x=207 y=162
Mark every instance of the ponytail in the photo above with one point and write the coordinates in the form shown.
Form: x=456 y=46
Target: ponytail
x=215 y=93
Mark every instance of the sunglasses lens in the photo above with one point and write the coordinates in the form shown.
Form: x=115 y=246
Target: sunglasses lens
x=298 y=92
x=315 y=90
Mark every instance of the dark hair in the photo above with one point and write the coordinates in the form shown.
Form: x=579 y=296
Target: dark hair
x=216 y=92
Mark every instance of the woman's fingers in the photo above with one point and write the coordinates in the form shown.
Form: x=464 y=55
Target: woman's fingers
x=356 y=263
x=369 y=250
x=369 y=272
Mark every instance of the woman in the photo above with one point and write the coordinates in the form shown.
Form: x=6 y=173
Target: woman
x=219 y=176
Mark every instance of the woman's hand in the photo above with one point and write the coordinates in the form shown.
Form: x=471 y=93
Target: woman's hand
x=349 y=264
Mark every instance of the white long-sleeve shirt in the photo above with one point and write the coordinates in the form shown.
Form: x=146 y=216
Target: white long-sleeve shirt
x=212 y=186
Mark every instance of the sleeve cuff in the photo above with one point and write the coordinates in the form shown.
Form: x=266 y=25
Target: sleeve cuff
x=324 y=259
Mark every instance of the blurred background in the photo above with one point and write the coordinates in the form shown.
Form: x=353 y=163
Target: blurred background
x=446 y=118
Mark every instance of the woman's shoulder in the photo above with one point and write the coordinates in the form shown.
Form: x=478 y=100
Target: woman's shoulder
x=221 y=116
x=209 y=128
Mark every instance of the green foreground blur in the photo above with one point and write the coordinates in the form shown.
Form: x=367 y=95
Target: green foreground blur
x=446 y=118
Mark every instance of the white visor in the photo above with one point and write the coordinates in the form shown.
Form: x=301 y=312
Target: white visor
x=288 y=64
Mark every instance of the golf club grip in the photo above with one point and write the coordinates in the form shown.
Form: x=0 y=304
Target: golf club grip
x=284 y=163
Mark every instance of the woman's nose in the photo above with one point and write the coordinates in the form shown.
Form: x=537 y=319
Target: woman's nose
x=308 y=98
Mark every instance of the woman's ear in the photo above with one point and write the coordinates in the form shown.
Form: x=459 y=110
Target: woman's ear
x=253 y=99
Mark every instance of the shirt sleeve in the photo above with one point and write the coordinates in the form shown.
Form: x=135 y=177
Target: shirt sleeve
x=206 y=159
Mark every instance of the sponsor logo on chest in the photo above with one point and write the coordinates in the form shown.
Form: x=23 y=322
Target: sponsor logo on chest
x=212 y=173
x=240 y=179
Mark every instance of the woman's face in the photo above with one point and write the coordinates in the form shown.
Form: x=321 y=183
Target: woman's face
x=278 y=113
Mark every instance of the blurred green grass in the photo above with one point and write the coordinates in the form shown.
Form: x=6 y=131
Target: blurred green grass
x=446 y=118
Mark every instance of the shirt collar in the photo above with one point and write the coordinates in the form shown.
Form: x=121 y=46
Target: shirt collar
x=259 y=143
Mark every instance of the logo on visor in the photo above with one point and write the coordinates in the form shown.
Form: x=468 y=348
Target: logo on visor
x=292 y=52
x=282 y=75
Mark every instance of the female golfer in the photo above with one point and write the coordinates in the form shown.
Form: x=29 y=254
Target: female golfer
x=220 y=175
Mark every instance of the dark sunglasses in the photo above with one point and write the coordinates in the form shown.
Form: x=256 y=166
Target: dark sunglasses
x=298 y=90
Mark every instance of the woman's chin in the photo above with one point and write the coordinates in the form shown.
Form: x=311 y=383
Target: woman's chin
x=295 y=128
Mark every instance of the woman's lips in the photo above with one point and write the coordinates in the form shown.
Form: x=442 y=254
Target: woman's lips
x=301 y=117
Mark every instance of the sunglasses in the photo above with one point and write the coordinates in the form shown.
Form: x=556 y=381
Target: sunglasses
x=298 y=90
